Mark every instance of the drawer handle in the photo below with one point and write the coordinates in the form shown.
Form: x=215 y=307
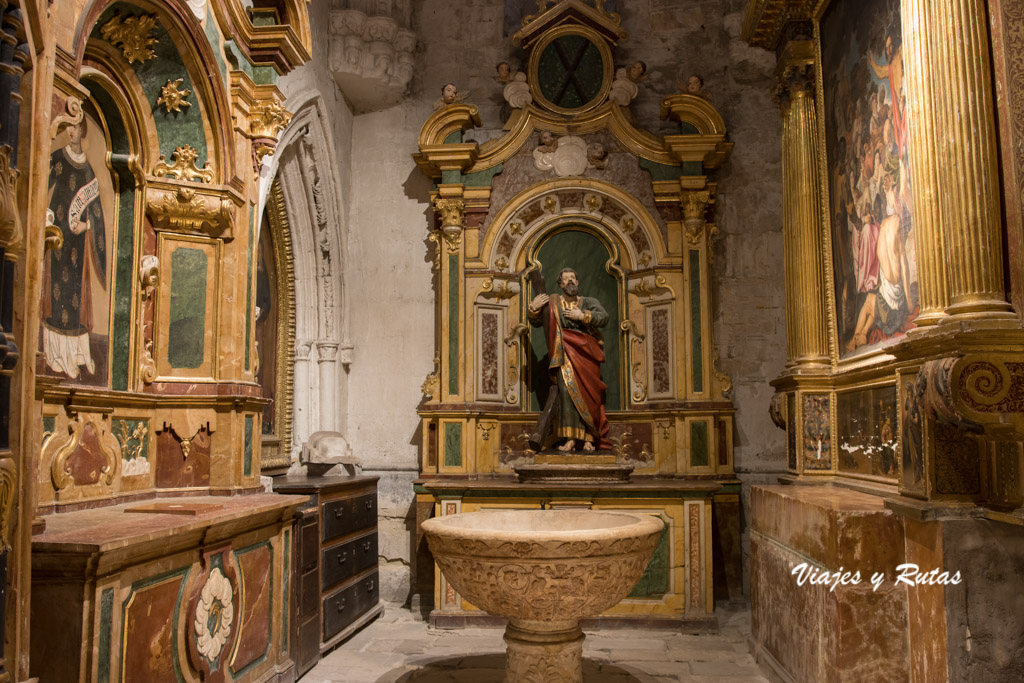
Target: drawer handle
x=340 y=604
x=341 y=559
x=369 y=586
x=338 y=513
x=366 y=545
x=369 y=505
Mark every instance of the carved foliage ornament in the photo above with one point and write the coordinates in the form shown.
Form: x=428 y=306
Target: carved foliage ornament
x=10 y=222
x=131 y=35
x=451 y=210
x=214 y=616
x=184 y=166
x=183 y=209
x=173 y=99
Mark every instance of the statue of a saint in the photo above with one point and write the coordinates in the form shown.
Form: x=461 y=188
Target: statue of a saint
x=574 y=411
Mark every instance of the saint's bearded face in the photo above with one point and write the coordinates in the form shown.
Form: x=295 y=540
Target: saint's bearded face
x=569 y=283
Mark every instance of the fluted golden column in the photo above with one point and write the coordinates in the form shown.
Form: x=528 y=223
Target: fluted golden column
x=968 y=171
x=806 y=332
x=918 y=58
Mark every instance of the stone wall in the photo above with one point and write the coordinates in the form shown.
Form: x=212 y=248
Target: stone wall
x=985 y=613
x=388 y=279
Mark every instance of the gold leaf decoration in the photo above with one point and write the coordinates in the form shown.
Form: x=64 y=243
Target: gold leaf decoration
x=173 y=99
x=131 y=35
x=184 y=166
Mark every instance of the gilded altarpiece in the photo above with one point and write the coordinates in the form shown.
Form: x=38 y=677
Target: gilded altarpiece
x=155 y=312
x=637 y=226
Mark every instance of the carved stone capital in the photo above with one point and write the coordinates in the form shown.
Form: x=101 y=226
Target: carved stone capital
x=372 y=56
x=327 y=352
x=694 y=205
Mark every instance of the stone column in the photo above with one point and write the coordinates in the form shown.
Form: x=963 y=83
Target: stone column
x=806 y=331
x=922 y=101
x=968 y=170
x=327 y=353
x=303 y=399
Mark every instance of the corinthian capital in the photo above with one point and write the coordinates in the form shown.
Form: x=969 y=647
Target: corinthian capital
x=451 y=211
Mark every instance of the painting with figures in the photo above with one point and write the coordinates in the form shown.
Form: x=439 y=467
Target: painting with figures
x=866 y=145
x=74 y=337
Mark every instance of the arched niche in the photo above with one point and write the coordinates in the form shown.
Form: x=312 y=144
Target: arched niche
x=275 y=331
x=88 y=338
x=585 y=249
x=180 y=50
x=305 y=169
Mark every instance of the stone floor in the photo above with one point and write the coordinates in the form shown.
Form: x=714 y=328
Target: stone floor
x=398 y=648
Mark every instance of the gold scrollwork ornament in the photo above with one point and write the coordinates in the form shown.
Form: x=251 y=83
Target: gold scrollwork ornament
x=131 y=35
x=184 y=166
x=432 y=384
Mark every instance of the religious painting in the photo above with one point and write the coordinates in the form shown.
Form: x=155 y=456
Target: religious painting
x=912 y=439
x=867 y=433
x=77 y=275
x=870 y=200
x=266 y=326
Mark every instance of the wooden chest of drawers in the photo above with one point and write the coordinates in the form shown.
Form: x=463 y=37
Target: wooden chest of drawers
x=335 y=562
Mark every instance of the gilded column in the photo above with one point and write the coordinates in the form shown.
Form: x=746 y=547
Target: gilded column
x=922 y=101
x=968 y=171
x=806 y=331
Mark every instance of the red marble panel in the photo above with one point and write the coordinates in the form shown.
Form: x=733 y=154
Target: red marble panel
x=786 y=619
x=865 y=633
x=926 y=605
x=254 y=632
x=86 y=463
x=176 y=470
x=148 y=652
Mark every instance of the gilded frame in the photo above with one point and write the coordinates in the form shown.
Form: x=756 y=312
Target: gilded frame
x=606 y=58
x=275 y=451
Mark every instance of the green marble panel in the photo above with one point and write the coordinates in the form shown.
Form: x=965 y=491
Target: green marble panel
x=482 y=178
x=106 y=617
x=265 y=75
x=660 y=171
x=173 y=129
x=655 y=581
x=450 y=177
x=587 y=255
x=693 y=168
x=700 y=455
x=186 y=334
x=247 y=452
x=49 y=425
x=687 y=128
x=453 y=323
x=696 y=328
x=454 y=137
x=216 y=42
x=453 y=444
x=570 y=71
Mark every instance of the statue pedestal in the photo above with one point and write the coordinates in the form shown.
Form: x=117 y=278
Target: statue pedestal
x=574 y=468
x=546 y=652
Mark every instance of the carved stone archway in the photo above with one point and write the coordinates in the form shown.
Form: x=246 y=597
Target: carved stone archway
x=306 y=170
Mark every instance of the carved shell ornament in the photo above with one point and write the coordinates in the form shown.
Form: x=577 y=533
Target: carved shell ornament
x=214 y=616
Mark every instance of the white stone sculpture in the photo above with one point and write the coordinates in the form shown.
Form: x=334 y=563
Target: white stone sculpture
x=624 y=87
x=371 y=56
x=566 y=156
x=517 y=92
x=328 y=451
